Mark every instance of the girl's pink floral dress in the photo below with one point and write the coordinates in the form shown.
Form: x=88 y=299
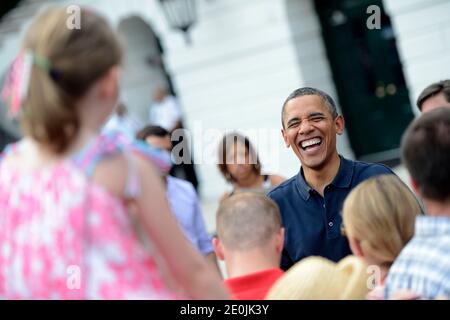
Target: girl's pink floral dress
x=63 y=237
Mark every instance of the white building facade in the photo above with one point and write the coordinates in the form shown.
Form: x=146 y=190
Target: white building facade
x=246 y=57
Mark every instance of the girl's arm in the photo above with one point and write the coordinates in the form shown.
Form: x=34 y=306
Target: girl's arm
x=186 y=265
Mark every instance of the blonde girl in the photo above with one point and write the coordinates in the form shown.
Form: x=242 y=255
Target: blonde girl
x=379 y=216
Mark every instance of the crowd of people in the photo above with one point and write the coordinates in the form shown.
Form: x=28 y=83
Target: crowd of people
x=90 y=211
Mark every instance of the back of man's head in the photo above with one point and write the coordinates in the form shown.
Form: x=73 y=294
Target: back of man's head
x=434 y=96
x=152 y=131
x=247 y=221
x=426 y=154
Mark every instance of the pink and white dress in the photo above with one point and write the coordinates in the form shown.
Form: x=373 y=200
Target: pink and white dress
x=64 y=237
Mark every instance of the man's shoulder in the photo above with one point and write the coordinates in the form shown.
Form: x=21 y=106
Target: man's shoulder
x=423 y=249
x=407 y=261
x=366 y=170
x=171 y=101
x=423 y=254
x=178 y=183
x=281 y=189
x=410 y=250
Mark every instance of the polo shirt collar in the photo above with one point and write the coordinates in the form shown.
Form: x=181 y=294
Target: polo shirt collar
x=343 y=179
x=344 y=176
x=303 y=188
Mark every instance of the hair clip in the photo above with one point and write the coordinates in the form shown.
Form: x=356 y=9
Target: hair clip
x=17 y=82
x=18 y=78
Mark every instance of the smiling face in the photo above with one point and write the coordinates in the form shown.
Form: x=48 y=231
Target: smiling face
x=240 y=164
x=310 y=130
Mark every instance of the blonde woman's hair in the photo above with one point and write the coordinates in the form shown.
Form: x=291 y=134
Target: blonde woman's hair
x=380 y=213
x=316 y=278
x=75 y=59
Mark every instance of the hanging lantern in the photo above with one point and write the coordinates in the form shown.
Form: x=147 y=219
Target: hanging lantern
x=181 y=15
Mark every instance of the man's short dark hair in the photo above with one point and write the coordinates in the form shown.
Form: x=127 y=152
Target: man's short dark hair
x=433 y=90
x=152 y=131
x=426 y=153
x=308 y=91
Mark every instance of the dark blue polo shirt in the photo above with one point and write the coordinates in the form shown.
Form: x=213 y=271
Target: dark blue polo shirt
x=312 y=222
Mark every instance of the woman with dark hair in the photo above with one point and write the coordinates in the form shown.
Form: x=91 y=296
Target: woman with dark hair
x=240 y=165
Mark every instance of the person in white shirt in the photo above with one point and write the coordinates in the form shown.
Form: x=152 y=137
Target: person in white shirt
x=120 y=121
x=165 y=111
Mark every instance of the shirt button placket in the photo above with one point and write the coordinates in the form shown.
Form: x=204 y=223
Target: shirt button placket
x=330 y=224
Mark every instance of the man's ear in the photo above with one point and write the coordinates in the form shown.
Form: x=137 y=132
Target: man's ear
x=356 y=247
x=283 y=133
x=280 y=240
x=218 y=248
x=339 y=123
x=415 y=186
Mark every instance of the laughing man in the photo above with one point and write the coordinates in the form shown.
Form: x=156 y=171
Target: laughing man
x=310 y=202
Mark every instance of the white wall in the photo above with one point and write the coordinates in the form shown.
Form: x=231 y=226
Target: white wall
x=423 y=39
x=235 y=75
x=139 y=78
x=246 y=57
